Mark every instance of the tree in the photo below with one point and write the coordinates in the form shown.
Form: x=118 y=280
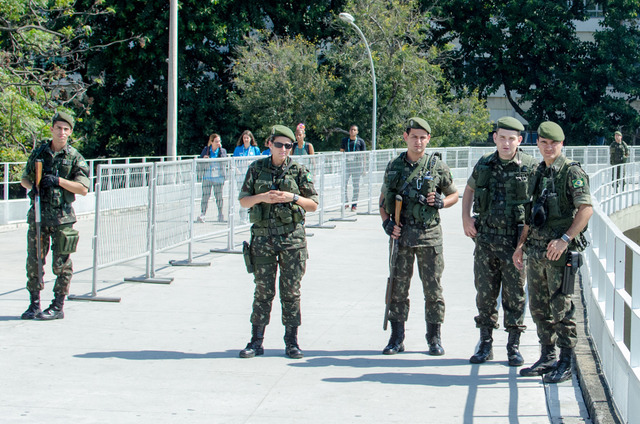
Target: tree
x=43 y=46
x=532 y=49
x=130 y=109
x=329 y=84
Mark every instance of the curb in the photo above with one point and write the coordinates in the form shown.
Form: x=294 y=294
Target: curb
x=595 y=389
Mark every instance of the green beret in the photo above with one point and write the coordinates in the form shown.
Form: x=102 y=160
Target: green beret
x=618 y=133
x=64 y=117
x=551 y=130
x=278 y=130
x=419 y=123
x=509 y=123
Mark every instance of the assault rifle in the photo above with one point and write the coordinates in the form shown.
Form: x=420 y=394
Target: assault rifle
x=38 y=218
x=392 y=264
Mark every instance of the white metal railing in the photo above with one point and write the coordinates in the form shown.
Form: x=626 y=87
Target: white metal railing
x=612 y=289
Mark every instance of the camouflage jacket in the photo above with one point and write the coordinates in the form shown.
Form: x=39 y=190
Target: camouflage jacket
x=292 y=177
x=567 y=186
x=55 y=202
x=618 y=153
x=421 y=222
x=501 y=194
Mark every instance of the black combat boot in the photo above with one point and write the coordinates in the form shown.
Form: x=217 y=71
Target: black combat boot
x=562 y=371
x=54 y=311
x=34 y=307
x=397 y=337
x=543 y=365
x=254 y=347
x=292 y=350
x=485 y=350
x=513 y=348
x=433 y=339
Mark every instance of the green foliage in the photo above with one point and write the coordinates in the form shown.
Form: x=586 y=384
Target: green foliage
x=531 y=48
x=329 y=85
x=279 y=81
x=42 y=49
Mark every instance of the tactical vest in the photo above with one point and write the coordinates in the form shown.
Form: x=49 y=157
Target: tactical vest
x=56 y=196
x=279 y=218
x=415 y=210
x=501 y=194
x=560 y=209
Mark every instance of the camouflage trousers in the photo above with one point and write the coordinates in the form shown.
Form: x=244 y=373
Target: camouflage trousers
x=61 y=266
x=494 y=270
x=269 y=254
x=430 y=267
x=552 y=311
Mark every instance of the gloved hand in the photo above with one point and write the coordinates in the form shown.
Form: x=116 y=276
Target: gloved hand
x=388 y=226
x=49 y=180
x=438 y=201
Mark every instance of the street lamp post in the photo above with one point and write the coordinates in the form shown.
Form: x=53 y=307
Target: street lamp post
x=172 y=86
x=350 y=19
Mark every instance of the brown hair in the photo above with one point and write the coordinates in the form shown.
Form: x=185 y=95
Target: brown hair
x=250 y=134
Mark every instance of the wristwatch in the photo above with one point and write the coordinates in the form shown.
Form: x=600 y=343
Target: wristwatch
x=295 y=198
x=565 y=238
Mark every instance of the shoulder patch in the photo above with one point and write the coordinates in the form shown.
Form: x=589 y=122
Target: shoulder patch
x=577 y=183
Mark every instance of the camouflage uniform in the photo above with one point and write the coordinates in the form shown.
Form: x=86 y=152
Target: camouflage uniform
x=618 y=154
x=501 y=198
x=56 y=212
x=552 y=311
x=278 y=237
x=421 y=235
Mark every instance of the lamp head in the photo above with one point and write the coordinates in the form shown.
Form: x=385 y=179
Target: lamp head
x=347 y=17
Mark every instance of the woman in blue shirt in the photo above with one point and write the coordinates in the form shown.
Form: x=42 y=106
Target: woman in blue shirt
x=213 y=176
x=246 y=146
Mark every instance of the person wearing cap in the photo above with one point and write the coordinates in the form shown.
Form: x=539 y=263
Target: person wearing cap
x=65 y=174
x=426 y=185
x=278 y=192
x=354 y=165
x=560 y=214
x=618 y=154
x=498 y=191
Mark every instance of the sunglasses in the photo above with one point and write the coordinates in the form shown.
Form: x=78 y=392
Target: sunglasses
x=279 y=145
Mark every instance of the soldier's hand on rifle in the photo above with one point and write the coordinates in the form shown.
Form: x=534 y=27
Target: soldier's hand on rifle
x=436 y=200
x=391 y=228
x=50 y=180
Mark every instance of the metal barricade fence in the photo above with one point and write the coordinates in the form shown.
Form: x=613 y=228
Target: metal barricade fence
x=122 y=213
x=158 y=206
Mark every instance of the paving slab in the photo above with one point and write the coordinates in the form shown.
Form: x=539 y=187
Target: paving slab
x=169 y=353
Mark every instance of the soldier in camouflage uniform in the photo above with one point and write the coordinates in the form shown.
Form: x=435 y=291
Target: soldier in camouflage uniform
x=562 y=208
x=618 y=153
x=426 y=186
x=498 y=190
x=278 y=192
x=65 y=174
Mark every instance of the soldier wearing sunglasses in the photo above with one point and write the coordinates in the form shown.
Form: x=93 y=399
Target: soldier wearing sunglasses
x=278 y=192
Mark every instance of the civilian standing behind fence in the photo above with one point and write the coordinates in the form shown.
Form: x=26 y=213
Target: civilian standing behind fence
x=301 y=147
x=65 y=174
x=355 y=165
x=212 y=176
x=279 y=191
x=246 y=146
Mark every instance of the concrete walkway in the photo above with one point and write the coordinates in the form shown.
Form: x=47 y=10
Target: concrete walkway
x=169 y=353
